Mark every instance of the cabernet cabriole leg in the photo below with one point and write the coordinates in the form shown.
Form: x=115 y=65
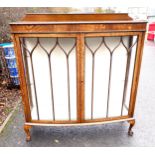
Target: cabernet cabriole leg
x=132 y=123
x=27 y=131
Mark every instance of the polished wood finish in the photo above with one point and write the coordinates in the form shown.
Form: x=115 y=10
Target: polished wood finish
x=75 y=28
x=27 y=131
x=132 y=123
x=82 y=121
x=68 y=35
x=76 y=17
x=80 y=77
x=22 y=79
x=78 y=26
x=80 y=124
x=136 y=74
x=64 y=23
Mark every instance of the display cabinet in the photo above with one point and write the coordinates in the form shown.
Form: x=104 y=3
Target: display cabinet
x=78 y=69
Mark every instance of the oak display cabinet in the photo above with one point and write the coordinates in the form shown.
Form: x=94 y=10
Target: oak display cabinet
x=78 y=69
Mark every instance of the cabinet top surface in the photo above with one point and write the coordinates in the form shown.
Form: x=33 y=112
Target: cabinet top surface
x=76 y=18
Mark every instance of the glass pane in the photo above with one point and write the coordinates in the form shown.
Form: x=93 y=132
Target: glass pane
x=51 y=64
x=107 y=81
x=133 y=47
x=101 y=68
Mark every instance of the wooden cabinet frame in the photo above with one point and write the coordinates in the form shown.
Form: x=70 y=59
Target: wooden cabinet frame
x=78 y=30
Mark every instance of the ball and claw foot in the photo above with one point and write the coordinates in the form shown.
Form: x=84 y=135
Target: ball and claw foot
x=27 y=131
x=132 y=123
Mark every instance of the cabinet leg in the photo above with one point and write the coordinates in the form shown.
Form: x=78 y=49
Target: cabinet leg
x=132 y=123
x=27 y=131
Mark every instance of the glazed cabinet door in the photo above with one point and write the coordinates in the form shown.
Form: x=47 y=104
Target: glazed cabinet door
x=109 y=67
x=50 y=70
